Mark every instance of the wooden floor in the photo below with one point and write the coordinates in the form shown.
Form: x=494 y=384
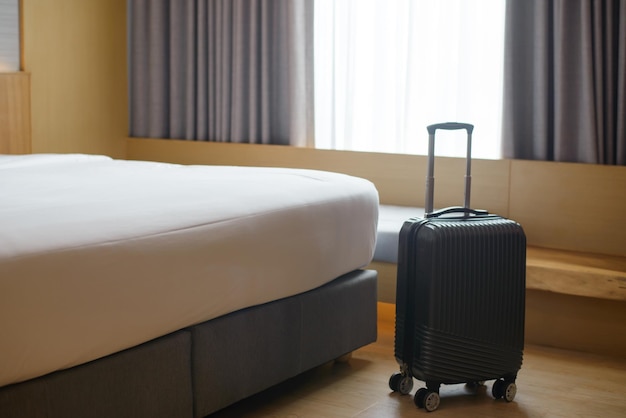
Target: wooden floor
x=551 y=383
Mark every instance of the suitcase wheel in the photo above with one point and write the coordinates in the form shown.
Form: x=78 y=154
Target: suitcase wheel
x=504 y=389
x=427 y=399
x=401 y=383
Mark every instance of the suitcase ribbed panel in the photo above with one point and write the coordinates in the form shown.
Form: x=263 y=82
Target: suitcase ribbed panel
x=468 y=299
x=454 y=359
x=405 y=292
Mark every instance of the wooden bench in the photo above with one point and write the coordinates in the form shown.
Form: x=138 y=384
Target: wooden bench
x=560 y=271
x=576 y=273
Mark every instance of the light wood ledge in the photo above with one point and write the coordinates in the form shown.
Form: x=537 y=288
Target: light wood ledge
x=576 y=273
x=558 y=271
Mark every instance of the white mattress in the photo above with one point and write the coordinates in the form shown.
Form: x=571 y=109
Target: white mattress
x=98 y=255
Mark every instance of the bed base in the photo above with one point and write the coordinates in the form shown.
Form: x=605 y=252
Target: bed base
x=206 y=367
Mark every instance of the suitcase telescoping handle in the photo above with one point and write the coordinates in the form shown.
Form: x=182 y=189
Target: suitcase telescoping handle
x=430 y=179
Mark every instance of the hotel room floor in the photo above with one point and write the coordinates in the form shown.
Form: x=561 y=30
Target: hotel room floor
x=551 y=383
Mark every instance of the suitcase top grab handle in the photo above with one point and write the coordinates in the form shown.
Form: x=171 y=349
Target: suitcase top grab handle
x=430 y=180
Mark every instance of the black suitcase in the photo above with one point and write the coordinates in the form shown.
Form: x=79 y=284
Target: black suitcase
x=460 y=296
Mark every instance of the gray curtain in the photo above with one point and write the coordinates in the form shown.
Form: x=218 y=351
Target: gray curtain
x=222 y=70
x=565 y=81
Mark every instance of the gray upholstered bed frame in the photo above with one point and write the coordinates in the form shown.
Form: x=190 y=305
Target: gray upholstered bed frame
x=206 y=367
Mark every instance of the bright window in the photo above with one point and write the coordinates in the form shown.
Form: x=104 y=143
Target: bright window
x=384 y=70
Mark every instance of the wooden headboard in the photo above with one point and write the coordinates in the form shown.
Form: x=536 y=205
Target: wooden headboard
x=15 y=130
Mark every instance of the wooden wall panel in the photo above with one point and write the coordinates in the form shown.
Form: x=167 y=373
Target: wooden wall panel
x=75 y=51
x=577 y=207
x=575 y=323
x=15 y=135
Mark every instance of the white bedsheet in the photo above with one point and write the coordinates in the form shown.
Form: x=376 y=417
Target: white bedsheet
x=98 y=255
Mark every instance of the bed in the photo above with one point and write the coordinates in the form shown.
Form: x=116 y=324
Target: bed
x=134 y=289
